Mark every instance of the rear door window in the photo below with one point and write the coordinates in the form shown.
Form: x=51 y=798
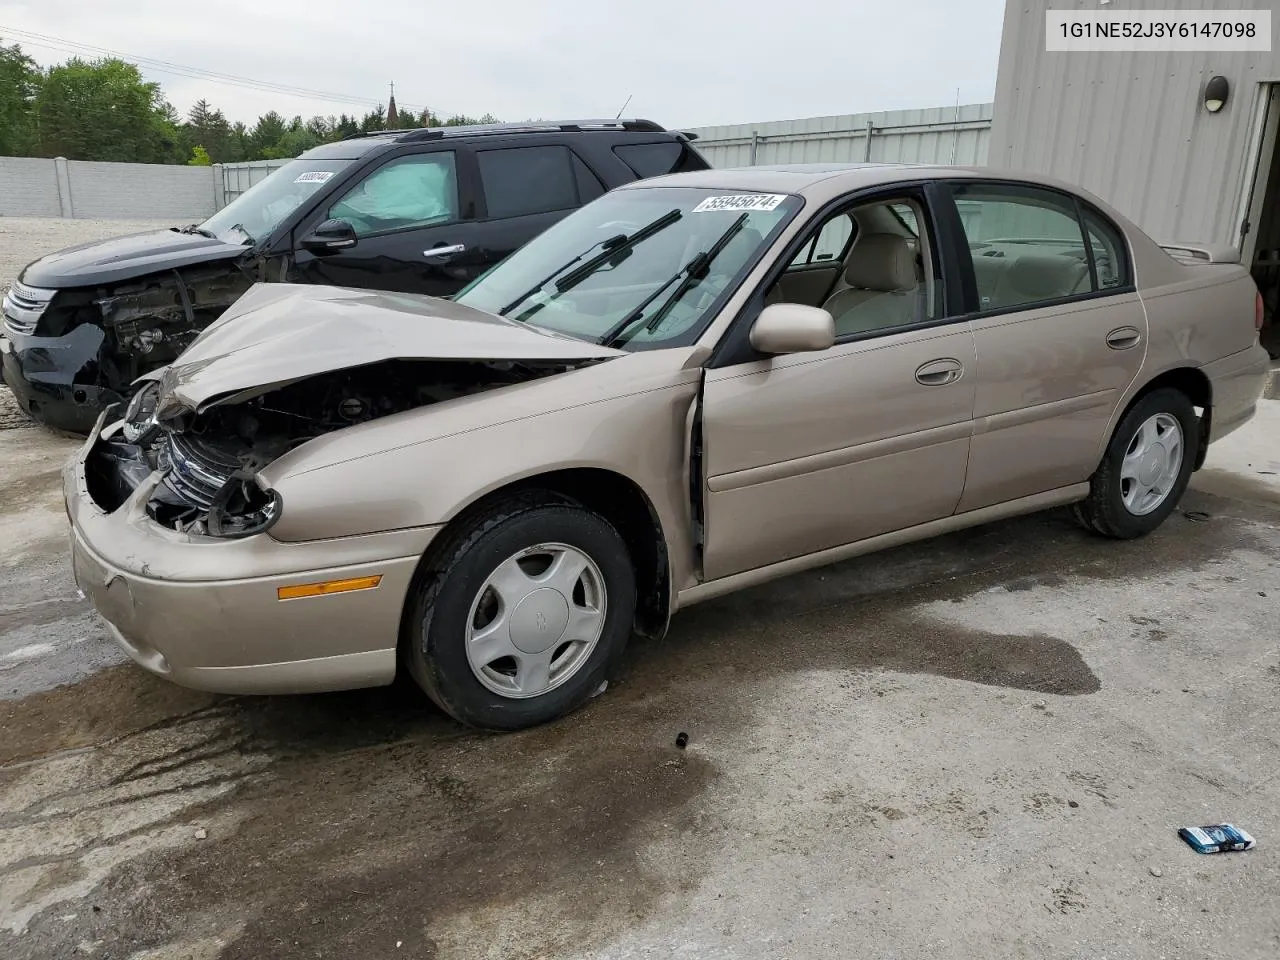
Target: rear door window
x=520 y=181
x=1026 y=245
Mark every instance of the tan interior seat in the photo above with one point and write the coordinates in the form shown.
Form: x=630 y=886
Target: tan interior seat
x=1043 y=277
x=882 y=285
x=1032 y=277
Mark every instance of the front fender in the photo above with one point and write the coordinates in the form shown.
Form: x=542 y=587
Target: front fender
x=640 y=436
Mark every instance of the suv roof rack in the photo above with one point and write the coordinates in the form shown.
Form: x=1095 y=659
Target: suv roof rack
x=487 y=129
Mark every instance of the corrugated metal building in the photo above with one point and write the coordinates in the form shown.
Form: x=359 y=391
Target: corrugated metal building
x=1133 y=127
x=937 y=135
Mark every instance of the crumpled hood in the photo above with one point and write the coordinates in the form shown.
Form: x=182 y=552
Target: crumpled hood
x=124 y=258
x=278 y=333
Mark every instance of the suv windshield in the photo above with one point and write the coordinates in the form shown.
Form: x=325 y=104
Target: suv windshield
x=636 y=268
x=254 y=214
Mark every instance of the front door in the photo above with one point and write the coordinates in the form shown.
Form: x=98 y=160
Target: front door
x=1060 y=333
x=807 y=452
x=414 y=231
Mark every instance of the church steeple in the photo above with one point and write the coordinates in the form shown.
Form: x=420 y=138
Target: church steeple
x=393 y=118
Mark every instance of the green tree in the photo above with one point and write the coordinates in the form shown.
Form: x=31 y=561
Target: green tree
x=266 y=134
x=199 y=158
x=295 y=140
x=462 y=120
x=345 y=127
x=102 y=110
x=209 y=128
x=19 y=84
x=241 y=144
x=374 y=120
x=321 y=128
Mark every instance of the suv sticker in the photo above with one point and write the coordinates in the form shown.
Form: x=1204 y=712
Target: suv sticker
x=315 y=176
x=741 y=201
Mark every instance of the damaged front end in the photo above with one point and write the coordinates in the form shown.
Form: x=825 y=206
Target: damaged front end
x=150 y=323
x=76 y=351
x=202 y=465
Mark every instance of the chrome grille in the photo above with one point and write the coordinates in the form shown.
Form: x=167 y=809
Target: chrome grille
x=22 y=307
x=196 y=471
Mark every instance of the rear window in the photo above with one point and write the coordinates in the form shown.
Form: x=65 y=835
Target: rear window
x=657 y=159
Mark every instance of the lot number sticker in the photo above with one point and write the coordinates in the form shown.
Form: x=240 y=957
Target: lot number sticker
x=741 y=201
x=315 y=176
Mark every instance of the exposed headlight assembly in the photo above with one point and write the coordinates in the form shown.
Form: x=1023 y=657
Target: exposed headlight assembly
x=242 y=508
x=140 y=421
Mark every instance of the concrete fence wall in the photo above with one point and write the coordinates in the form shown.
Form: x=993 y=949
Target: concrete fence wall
x=89 y=190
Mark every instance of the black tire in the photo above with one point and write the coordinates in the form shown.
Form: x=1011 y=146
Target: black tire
x=1104 y=511
x=436 y=621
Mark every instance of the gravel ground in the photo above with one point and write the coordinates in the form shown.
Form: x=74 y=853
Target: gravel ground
x=24 y=239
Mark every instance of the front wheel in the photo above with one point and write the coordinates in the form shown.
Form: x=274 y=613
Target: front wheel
x=1146 y=468
x=526 y=613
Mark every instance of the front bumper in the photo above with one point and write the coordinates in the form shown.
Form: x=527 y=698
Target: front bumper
x=204 y=613
x=41 y=372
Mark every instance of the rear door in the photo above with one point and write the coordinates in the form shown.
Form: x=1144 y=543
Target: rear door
x=523 y=190
x=414 y=218
x=1060 y=335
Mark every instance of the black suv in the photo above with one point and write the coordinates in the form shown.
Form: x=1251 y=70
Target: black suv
x=416 y=211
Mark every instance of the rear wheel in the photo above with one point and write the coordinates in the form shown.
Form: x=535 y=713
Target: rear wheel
x=526 y=613
x=1146 y=468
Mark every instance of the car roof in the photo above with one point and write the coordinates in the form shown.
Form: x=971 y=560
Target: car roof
x=825 y=181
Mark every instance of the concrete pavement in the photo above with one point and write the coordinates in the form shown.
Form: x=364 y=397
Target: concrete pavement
x=977 y=746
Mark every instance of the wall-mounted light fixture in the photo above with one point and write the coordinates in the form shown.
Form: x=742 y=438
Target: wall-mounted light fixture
x=1216 y=92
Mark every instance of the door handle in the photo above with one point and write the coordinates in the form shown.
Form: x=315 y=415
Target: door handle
x=1122 y=338
x=937 y=373
x=445 y=251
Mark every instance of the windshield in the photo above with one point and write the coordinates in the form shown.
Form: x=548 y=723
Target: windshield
x=254 y=214
x=637 y=268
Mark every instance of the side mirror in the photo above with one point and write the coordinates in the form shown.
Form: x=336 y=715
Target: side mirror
x=793 y=328
x=330 y=237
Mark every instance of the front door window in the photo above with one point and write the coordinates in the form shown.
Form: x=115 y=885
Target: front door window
x=415 y=191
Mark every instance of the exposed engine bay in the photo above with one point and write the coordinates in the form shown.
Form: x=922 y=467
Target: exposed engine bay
x=159 y=317
x=146 y=323
x=208 y=461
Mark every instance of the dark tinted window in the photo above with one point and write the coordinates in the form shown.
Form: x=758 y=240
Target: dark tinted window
x=655 y=159
x=589 y=185
x=525 y=180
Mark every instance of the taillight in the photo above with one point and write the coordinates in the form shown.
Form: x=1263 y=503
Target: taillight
x=1257 y=313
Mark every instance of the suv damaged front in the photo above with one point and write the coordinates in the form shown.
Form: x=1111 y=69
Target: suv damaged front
x=290 y=363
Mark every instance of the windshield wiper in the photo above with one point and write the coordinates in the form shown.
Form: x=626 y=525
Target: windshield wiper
x=195 y=228
x=248 y=237
x=690 y=275
x=614 y=247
